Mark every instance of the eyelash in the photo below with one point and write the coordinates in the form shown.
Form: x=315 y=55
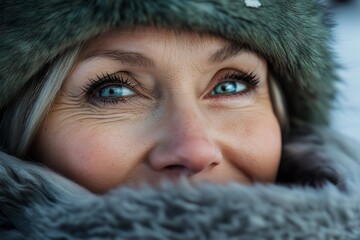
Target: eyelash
x=250 y=79
x=105 y=79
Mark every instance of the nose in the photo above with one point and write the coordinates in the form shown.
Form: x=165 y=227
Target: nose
x=185 y=145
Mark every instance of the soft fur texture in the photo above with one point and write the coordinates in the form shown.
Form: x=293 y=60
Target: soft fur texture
x=292 y=35
x=36 y=203
x=317 y=194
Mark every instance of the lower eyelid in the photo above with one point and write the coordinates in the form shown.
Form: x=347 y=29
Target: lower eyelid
x=250 y=91
x=101 y=102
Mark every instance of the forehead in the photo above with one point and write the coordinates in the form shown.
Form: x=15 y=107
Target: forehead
x=163 y=44
x=150 y=38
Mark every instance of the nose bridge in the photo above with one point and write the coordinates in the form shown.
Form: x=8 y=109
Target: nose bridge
x=183 y=118
x=186 y=142
x=186 y=121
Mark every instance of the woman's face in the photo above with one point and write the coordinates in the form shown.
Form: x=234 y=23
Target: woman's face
x=146 y=105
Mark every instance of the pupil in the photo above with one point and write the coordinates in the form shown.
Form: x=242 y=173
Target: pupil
x=111 y=91
x=227 y=87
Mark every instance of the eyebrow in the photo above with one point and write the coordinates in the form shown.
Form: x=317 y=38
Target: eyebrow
x=129 y=58
x=227 y=52
x=140 y=60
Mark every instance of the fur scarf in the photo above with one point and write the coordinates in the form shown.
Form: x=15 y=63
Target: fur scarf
x=36 y=203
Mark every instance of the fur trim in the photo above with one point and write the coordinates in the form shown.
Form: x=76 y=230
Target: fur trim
x=36 y=203
x=292 y=35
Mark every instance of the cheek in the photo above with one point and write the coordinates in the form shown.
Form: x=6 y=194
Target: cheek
x=266 y=151
x=96 y=156
x=253 y=144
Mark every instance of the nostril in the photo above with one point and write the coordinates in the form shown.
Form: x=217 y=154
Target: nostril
x=174 y=167
x=215 y=163
x=189 y=157
x=176 y=170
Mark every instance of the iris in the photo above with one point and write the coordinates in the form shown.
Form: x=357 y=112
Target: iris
x=115 y=91
x=228 y=88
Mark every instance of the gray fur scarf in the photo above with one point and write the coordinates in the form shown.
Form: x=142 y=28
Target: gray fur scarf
x=36 y=203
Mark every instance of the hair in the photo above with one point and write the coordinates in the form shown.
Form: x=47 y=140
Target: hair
x=20 y=120
x=278 y=103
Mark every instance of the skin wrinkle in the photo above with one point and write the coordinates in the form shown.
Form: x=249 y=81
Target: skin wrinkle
x=101 y=117
x=78 y=102
x=127 y=58
x=91 y=119
x=84 y=114
x=178 y=129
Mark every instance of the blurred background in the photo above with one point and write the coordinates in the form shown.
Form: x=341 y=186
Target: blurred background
x=346 y=117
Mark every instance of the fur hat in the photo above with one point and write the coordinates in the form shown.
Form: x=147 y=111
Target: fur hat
x=293 y=36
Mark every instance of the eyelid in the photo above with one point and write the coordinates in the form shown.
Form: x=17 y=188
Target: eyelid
x=225 y=75
x=247 y=77
x=107 y=79
x=100 y=81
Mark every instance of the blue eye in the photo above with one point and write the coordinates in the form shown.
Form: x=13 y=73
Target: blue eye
x=229 y=87
x=115 y=91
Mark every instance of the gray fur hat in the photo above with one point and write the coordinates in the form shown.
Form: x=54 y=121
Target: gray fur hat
x=293 y=36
